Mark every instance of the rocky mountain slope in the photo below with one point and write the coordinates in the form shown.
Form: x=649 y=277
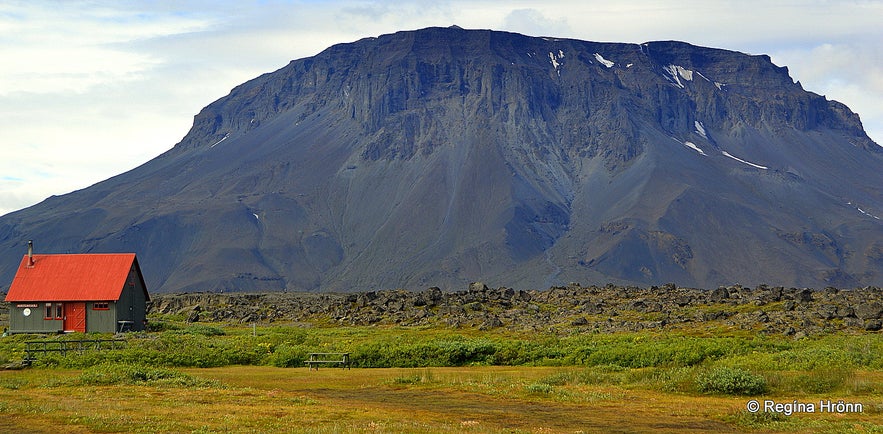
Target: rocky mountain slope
x=443 y=156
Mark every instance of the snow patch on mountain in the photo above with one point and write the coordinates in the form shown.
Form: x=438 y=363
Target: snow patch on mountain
x=700 y=129
x=219 y=141
x=727 y=154
x=676 y=73
x=863 y=211
x=604 y=61
x=694 y=147
x=554 y=59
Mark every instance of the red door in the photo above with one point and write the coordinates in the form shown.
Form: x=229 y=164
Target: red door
x=75 y=317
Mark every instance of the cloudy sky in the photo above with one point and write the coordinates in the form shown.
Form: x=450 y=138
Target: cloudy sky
x=90 y=89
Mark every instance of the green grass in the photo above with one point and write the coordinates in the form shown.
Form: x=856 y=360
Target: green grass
x=241 y=399
x=218 y=345
x=421 y=377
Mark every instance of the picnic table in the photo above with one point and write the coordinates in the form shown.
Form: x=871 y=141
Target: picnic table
x=316 y=359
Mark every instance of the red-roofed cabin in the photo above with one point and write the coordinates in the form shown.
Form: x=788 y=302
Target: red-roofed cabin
x=77 y=293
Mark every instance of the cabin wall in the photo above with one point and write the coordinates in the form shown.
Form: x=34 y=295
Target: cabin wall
x=101 y=317
x=31 y=318
x=132 y=305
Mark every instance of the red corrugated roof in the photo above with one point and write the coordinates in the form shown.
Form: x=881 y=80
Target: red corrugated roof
x=83 y=277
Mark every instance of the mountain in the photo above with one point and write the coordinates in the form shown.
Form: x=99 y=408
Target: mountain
x=442 y=156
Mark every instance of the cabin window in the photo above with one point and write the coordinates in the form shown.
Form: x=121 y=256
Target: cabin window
x=103 y=305
x=48 y=311
x=59 y=311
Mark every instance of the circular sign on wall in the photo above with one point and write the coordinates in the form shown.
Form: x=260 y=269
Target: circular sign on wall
x=26 y=312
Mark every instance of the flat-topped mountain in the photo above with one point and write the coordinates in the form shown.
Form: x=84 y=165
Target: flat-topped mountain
x=443 y=156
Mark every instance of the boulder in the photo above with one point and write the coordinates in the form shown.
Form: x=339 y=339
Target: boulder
x=869 y=311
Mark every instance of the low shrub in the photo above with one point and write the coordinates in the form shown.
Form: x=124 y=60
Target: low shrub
x=156 y=326
x=667 y=379
x=12 y=383
x=822 y=380
x=540 y=388
x=424 y=377
x=288 y=355
x=202 y=330
x=592 y=376
x=198 y=348
x=731 y=381
x=410 y=379
x=112 y=373
x=641 y=352
x=202 y=345
x=759 y=420
x=457 y=351
x=543 y=352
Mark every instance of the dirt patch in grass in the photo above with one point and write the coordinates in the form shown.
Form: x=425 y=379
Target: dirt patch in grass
x=421 y=400
x=510 y=414
x=445 y=401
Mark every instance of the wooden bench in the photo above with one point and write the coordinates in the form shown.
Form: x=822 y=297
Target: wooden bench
x=316 y=359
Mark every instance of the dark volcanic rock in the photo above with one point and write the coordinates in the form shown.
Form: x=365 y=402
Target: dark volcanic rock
x=869 y=311
x=446 y=156
x=559 y=308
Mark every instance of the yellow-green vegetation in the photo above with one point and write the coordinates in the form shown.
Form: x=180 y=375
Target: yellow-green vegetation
x=230 y=378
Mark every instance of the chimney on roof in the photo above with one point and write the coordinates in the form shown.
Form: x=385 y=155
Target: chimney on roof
x=30 y=253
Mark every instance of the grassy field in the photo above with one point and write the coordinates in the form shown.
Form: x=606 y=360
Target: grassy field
x=225 y=378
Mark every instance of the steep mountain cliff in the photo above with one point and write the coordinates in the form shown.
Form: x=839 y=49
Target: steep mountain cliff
x=443 y=156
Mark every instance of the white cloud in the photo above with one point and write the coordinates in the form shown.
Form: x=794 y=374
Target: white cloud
x=89 y=89
x=533 y=22
x=850 y=72
x=72 y=46
x=70 y=93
